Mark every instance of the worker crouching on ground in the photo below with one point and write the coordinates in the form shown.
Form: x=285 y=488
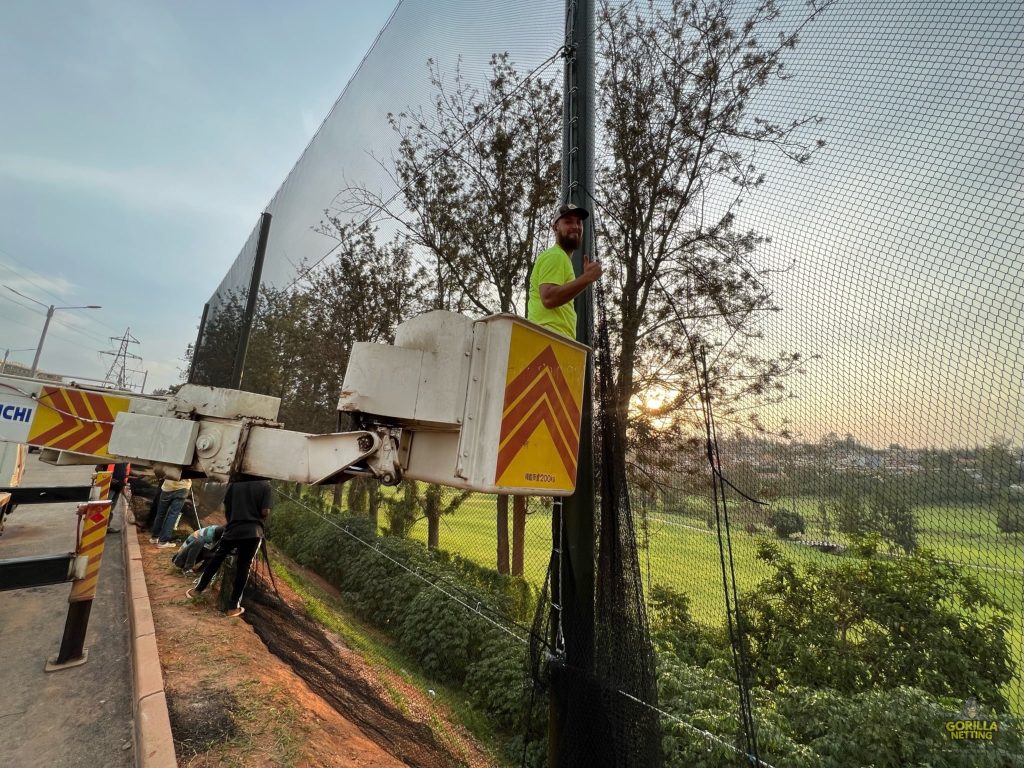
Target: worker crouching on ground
x=247 y=507
x=198 y=547
x=553 y=282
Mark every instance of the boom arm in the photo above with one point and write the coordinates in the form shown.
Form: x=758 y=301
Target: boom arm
x=490 y=405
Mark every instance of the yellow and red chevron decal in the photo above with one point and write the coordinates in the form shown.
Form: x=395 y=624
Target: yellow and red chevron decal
x=73 y=420
x=102 y=482
x=95 y=518
x=540 y=425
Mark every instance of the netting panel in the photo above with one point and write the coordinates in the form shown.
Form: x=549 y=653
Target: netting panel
x=886 y=456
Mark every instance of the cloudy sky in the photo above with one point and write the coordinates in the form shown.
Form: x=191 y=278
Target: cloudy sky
x=138 y=143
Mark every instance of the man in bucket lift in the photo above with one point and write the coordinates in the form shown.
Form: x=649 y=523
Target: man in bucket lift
x=553 y=282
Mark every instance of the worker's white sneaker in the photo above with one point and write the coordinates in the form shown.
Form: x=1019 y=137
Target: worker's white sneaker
x=167 y=545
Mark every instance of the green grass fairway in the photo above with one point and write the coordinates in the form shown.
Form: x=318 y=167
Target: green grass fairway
x=682 y=553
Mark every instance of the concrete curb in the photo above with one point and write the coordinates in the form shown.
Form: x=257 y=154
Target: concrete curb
x=154 y=746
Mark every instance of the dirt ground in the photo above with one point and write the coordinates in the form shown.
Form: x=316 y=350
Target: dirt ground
x=274 y=688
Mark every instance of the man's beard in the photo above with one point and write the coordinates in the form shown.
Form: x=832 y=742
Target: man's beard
x=569 y=243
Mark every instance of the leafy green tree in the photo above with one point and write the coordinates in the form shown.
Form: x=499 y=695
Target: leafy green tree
x=436 y=502
x=361 y=293
x=674 y=630
x=479 y=172
x=879 y=506
x=679 y=114
x=997 y=468
x=364 y=496
x=786 y=523
x=857 y=624
x=402 y=510
x=852 y=516
x=1010 y=512
x=883 y=728
x=824 y=519
x=273 y=362
x=893 y=516
x=418 y=501
x=214 y=357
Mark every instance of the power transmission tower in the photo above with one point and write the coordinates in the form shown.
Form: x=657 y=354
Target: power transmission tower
x=118 y=373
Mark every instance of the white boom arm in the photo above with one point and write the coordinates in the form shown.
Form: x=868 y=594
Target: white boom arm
x=490 y=405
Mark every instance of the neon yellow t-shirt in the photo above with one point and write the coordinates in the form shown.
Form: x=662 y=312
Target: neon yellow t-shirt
x=552 y=266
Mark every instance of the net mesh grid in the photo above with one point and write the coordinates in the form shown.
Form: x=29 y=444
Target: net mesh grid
x=895 y=257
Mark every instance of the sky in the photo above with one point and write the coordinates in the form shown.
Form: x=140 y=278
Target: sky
x=139 y=142
x=899 y=247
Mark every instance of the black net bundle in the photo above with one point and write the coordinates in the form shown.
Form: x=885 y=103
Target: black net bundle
x=624 y=658
x=604 y=672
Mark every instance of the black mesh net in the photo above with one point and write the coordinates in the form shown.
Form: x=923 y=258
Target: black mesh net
x=811 y=477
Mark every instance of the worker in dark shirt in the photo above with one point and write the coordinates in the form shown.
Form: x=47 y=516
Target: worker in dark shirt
x=247 y=507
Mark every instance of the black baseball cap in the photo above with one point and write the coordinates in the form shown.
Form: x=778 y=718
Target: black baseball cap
x=566 y=208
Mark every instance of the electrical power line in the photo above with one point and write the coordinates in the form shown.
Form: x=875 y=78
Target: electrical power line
x=41 y=287
x=20 y=304
x=25 y=277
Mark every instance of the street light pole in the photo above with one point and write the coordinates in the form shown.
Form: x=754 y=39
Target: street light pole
x=7 y=354
x=46 y=326
x=42 y=338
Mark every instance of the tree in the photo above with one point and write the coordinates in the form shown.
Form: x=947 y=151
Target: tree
x=479 y=174
x=877 y=506
x=273 y=362
x=364 y=496
x=214 y=357
x=502 y=538
x=894 y=516
x=435 y=506
x=515 y=567
x=857 y=625
x=851 y=512
x=1010 y=512
x=361 y=293
x=301 y=336
x=518 y=533
x=676 y=95
x=824 y=519
x=416 y=503
x=786 y=523
x=402 y=511
x=997 y=468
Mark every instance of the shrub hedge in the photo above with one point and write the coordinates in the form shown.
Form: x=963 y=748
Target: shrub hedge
x=389 y=583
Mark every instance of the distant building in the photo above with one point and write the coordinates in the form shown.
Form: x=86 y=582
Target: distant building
x=901 y=461
x=17 y=369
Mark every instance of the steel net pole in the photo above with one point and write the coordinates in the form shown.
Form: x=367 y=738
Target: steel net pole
x=577 y=519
